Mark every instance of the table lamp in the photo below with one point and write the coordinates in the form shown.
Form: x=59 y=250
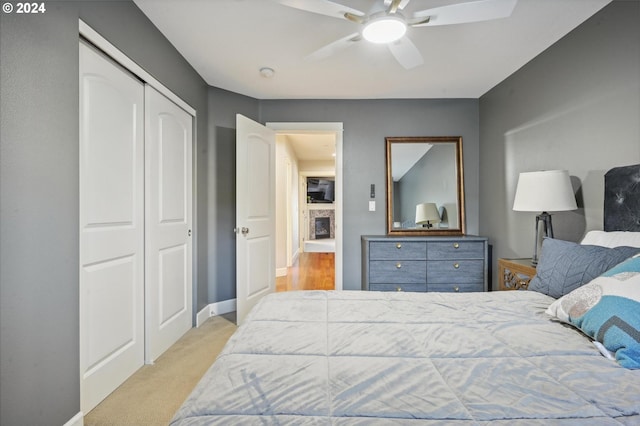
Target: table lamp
x=544 y=191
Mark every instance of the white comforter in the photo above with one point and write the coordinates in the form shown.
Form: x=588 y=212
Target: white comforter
x=375 y=358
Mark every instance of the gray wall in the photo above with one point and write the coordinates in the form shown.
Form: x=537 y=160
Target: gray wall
x=366 y=123
x=39 y=343
x=575 y=107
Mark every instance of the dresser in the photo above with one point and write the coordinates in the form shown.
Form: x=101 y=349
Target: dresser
x=444 y=264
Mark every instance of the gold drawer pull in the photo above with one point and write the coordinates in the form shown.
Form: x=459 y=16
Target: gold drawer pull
x=399 y=289
x=456 y=289
x=398 y=265
x=399 y=246
x=456 y=245
x=456 y=265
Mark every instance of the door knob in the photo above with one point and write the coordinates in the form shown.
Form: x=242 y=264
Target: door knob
x=244 y=230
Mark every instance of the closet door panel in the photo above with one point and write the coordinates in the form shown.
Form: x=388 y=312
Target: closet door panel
x=168 y=192
x=111 y=226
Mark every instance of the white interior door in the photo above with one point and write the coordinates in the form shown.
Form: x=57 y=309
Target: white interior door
x=111 y=226
x=255 y=214
x=168 y=247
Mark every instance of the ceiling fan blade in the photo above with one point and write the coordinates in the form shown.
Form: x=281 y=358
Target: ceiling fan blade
x=333 y=48
x=399 y=4
x=322 y=7
x=406 y=53
x=475 y=11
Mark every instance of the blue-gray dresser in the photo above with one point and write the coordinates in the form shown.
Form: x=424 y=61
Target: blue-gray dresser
x=445 y=264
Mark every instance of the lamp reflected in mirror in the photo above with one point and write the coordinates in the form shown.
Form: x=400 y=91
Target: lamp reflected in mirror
x=427 y=215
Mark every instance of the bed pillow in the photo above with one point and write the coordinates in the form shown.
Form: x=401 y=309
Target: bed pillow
x=608 y=310
x=565 y=266
x=612 y=238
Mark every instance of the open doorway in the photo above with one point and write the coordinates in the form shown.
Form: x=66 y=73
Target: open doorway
x=309 y=205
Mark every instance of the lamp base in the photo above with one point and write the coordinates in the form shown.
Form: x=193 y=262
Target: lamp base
x=547 y=230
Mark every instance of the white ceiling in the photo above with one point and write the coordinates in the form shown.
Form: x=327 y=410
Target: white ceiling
x=228 y=41
x=405 y=156
x=313 y=146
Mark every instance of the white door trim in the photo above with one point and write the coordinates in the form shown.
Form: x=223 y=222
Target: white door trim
x=337 y=129
x=103 y=44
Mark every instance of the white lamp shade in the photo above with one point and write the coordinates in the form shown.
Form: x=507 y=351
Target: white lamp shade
x=544 y=191
x=427 y=213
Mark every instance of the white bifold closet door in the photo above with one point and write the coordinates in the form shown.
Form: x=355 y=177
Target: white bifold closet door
x=111 y=226
x=168 y=193
x=135 y=224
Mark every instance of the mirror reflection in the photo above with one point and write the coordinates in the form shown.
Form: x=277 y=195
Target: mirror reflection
x=425 y=186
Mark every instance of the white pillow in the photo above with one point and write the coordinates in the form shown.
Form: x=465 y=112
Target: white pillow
x=612 y=239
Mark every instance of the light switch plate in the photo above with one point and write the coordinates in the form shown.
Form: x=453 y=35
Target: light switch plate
x=372 y=206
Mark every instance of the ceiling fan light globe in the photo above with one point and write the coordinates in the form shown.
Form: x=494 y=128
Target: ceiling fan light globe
x=384 y=30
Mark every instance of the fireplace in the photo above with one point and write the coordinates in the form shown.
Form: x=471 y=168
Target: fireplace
x=322 y=227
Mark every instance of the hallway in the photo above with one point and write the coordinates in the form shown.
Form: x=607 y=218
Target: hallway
x=312 y=271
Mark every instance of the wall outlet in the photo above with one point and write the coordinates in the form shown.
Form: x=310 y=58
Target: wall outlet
x=372 y=206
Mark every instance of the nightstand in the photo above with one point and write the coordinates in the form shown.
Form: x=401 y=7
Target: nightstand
x=515 y=274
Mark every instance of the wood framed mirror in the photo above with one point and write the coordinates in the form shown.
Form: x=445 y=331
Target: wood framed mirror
x=425 y=186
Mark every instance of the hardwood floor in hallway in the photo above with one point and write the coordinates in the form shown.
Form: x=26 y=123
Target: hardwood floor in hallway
x=312 y=271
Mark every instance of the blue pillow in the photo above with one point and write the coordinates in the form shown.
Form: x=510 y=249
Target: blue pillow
x=565 y=266
x=608 y=310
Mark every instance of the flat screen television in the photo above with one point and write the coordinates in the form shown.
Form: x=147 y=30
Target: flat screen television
x=320 y=190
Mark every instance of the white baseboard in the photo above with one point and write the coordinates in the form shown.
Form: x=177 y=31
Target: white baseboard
x=295 y=256
x=203 y=315
x=224 y=307
x=281 y=272
x=214 y=309
x=77 y=420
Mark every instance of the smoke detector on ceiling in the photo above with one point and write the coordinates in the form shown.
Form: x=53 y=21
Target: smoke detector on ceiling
x=267 y=72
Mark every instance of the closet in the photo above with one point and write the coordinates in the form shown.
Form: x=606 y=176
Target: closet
x=135 y=183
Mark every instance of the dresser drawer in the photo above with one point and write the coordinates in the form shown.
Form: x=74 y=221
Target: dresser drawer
x=456 y=288
x=399 y=287
x=403 y=250
x=455 y=271
x=425 y=263
x=398 y=271
x=455 y=250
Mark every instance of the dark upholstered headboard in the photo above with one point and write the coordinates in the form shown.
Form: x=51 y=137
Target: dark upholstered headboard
x=622 y=199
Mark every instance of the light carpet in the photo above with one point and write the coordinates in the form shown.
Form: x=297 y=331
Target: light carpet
x=155 y=392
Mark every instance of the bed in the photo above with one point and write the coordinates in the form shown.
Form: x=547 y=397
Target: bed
x=497 y=358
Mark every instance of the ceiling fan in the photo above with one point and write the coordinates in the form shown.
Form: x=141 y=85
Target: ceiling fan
x=385 y=23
